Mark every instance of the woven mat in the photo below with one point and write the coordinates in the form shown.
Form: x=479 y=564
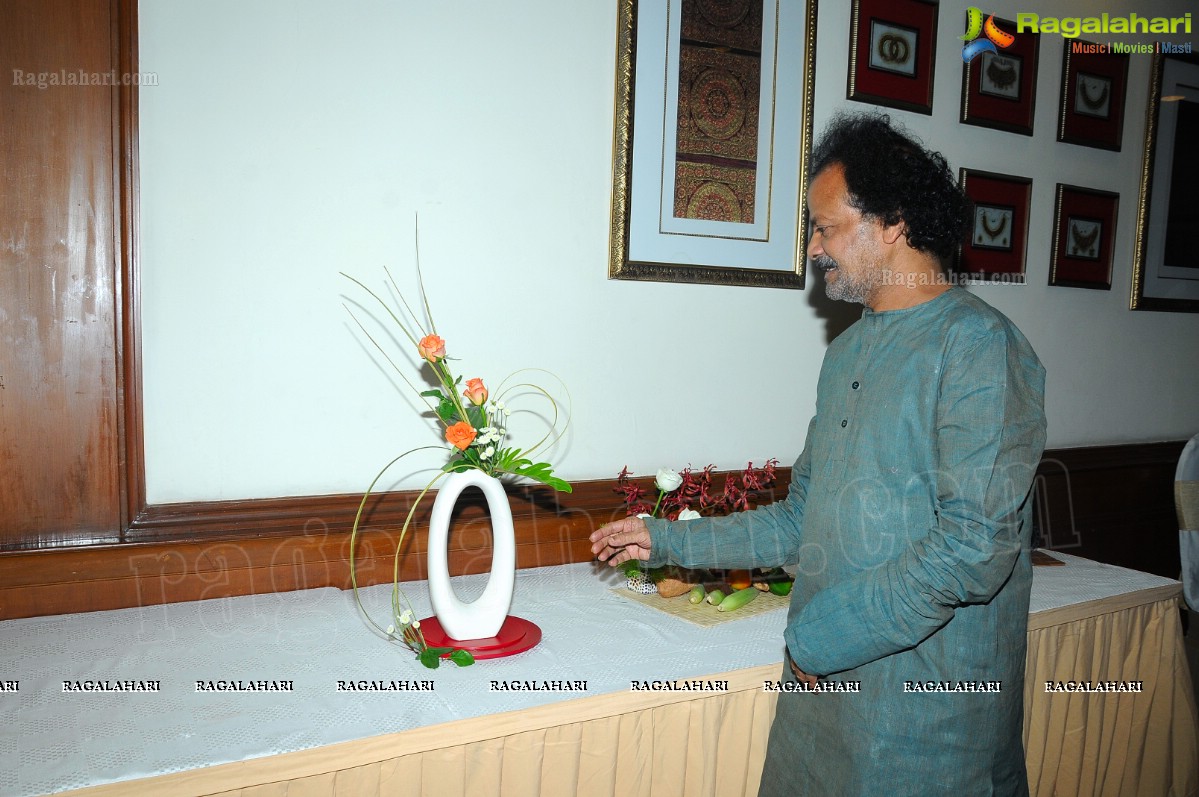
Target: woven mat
x=702 y=614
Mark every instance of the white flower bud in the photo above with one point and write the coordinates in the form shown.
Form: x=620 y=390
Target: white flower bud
x=668 y=480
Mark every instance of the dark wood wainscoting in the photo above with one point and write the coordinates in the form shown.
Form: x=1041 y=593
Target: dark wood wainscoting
x=1110 y=503
x=1113 y=504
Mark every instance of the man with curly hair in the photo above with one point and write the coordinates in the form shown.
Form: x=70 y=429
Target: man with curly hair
x=908 y=518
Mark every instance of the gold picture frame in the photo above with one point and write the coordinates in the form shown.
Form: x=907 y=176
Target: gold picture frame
x=1161 y=282
x=712 y=196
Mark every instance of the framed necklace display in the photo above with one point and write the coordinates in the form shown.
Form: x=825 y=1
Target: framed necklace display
x=891 y=49
x=999 y=227
x=1094 y=84
x=1084 y=231
x=999 y=88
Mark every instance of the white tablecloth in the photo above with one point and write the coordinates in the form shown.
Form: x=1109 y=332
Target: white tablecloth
x=1083 y=583
x=51 y=740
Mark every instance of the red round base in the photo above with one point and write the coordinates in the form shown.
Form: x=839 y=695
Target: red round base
x=516 y=635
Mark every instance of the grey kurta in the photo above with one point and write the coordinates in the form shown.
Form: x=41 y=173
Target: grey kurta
x=909 y=519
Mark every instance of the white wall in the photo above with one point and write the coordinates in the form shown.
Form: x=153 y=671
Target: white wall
x=287 y=140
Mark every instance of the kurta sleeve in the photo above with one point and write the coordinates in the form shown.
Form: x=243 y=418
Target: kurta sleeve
x=990 y=432
x=764 y=537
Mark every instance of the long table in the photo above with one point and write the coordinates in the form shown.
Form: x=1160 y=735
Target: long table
x=563 y=718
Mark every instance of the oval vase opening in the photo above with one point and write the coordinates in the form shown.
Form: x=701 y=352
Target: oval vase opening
x=482 y=617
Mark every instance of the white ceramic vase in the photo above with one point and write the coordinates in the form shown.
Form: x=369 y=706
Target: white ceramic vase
x=482 y=617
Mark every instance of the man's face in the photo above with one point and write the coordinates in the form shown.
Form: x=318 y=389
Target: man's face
x=844 y=245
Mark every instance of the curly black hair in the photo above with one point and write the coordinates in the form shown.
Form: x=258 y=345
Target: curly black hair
x=893 y=178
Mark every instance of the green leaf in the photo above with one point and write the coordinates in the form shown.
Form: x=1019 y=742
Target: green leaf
x=447 y=411
x=432 y=394
x=509 y=459
x=560 y=485
x=431 y=657
x=543 y=472
x=462 y=658
x=476 y=416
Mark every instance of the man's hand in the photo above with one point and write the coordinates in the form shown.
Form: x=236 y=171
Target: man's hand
x=621 y=540
x=804 y=678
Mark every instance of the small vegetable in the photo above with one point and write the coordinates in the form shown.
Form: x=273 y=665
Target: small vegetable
x=781 y=587
x=697 y=594
x=715 y=597
x=737 y=600
x=740 y=579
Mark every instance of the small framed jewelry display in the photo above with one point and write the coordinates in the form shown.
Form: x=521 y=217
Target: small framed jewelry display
x=891 y=49
x=1084 y=232
x=999 y=230
x=999 y=88
x=1094 y=84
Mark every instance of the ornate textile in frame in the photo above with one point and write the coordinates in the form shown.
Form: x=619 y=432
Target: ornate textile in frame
x=712 y=134
x=1165 y=272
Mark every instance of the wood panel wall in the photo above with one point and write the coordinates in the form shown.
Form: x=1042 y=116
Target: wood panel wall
x=60 y=412
x=1111 y=503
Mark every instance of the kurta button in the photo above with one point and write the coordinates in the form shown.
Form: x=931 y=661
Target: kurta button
x=855 y=385
x=844 y=423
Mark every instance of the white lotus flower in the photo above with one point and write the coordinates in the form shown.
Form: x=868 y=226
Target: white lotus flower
x=689 y=514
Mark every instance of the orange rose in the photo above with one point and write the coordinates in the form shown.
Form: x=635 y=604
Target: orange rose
x=460 y=435
x=475 y=391
x=431 y=348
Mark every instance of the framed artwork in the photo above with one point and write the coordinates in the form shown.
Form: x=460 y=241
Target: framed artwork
x=891 y=49
x=1094 y=84
x=999 y=232
x=1084 y=231
x=999 y=88
x=712 y=135
x=1165 y=269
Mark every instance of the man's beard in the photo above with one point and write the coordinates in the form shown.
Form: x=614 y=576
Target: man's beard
x=848 y=287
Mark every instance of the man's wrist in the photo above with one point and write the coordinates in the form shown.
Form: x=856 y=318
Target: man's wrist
x=657 y=528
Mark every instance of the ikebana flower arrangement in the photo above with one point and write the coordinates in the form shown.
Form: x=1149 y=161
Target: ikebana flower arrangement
x=686 y=495
x=473 y=421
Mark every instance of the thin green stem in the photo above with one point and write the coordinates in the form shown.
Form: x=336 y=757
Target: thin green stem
x=355 y=531
x=384 y=305
x=389 y=360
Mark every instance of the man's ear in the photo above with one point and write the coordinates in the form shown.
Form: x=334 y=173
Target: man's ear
x=893 y=232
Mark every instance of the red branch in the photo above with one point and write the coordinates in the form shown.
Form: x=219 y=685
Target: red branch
x=697 y=492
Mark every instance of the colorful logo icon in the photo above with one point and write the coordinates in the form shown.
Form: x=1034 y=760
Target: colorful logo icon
x=995 y=38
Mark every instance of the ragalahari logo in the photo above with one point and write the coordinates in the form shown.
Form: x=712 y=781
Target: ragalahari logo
x=995 y=38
